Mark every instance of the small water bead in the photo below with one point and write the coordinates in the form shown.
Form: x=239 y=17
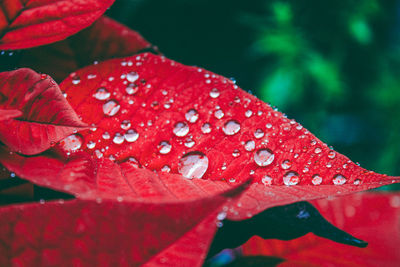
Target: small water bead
x=12 y=175
x=192 y=115
x=219 y=114
x=164 y=147
x=181 y=129
x=316 y=179
x=250 y=145
x=266 y=180
x=264 y=157
x=313 y=142
x=98 y=154
x=206 y=128
x=189 y=143
x=357 y=182
x=72 y=143
x=193 y=165
x=155 y=105
x=258 y=133
x=299 y=127
x=236 y=153
x=125 y=124
x=165 y=168
x=76 y=80
x=286 y=164
x=214 y=93
x=291 y=178
x=102 y=94
x=248 y=113
x=133 y=162
x=328 y=165
x=91 y=144
x=131 y=135
x=231 y=127
x=331 y=154
x=132 y=76
x=317 y=150
x=111 y=107
x=268 y=125
x=118 y=138
x=339 y=179
x=131 y=89
x=106 y=136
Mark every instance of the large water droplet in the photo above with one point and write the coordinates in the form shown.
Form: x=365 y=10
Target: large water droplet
x=250 y=145
x=231 y=127
x=339 y=179
x=291 y=178
x=193 y=165
x=214 y=93
x=181 y=129
x=286 y=164
x=101 y=94
x=118 y=139
x=111 y=107
x=72 y=143
x=131 y=135
x=316 y=179
x=264 y=157
x=164 y=147
x=132 y=76
x=206 y=128
x=258 y=133
x=192 y=115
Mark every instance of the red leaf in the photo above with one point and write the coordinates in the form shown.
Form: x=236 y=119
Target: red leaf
x=46 y=115
x=104 y=233
x=373 y=217
x=6 y=114
x=25 y=24
x=103 y=40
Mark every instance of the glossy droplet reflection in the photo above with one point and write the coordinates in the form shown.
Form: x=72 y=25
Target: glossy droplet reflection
x=131 y=135
x=131 y=89
x=286 y=164
x=164 y=147
x=132 y=76
x=206 y=128
x=266 y=180
x=181 y=129
x=118 y=139
x=214 y=93
x=192 y=115
x=264 y=157
x=259 y=133
x=316 y=179
x=101 y=94
x=71 y=143
x=291 y=178
x=339 y=179
x=111 y=107
x=250 y=145
x=231 y=127
x=193 y=165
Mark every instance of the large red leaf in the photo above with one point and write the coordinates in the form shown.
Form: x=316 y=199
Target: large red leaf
x=108 y=233
x=143 y=107
x=374 y=217
x=29 y=23
x=103 y=40
x=44 y=116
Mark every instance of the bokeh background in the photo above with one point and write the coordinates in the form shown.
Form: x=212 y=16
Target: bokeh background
x=334 y=66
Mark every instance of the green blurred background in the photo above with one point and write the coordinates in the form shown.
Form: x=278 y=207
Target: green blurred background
x=332 y=65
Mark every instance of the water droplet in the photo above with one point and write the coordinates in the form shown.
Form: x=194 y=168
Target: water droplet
x=357 y=181
x=132 y=76
x=76 y=80
x=131 y=89
x=131 y=135
x=118 y=139
x=316 y=179
x=91 y=144
x=313 y=142
x=101 y=94
x=125 y=124
x=219 y=114
x=331 y=154
x=214 y=93
x=206 y=128
x=286 y=164
x=236 y=153
x=71 y=143
x=258 y=133
x=106 y=136
x=317 y=150
x=12 y=175
x=189 y=142
x=193 y=165
x=248 y=113
x=250 y=145
x=181 y=129
x=291 y=178
x=221 y=216
x=339 y=179
x=268 y=125
x=98 y=154
x=192 y=115
x=264 y=157
x=164 y=147
x=266 y=180
x=165 y=168
x=111 y=108
x=231 y=127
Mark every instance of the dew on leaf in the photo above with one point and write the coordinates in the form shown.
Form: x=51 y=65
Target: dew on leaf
x=219 y=114
x=206 y=128
x=131 y=135
x=181 y=129
x=91 y=144
x=236 y=153
x=193 y=165
x=165 y=168
x=317 y=150
x=258 y=133
x=192 y=115
x=316 y=179
x=268 y=125
x=231 y=127
x=291 y=178
x=131 y=89
x=106 y=136
x=118 y=138
x=71 y=143
x=164 y=147
x=248 y=113
x=189 y=142
x=125 y=124
x=264 y=157
x=250 y=145
x=111 y=107
x=102 y=94
x=331 y=154
x=132 y=76
x=76 y=80
x=214 y=93
x=266 y=180
x=286 y=164
x=339 y=179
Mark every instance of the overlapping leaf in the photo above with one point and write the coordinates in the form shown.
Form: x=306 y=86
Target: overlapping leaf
x=374 y=217
x=44 y=117
x=25 y=24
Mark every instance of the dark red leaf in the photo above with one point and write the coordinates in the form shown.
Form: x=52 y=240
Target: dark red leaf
x=44 y=116
x=374 y=217
x=103 y=40
x=25 y=24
